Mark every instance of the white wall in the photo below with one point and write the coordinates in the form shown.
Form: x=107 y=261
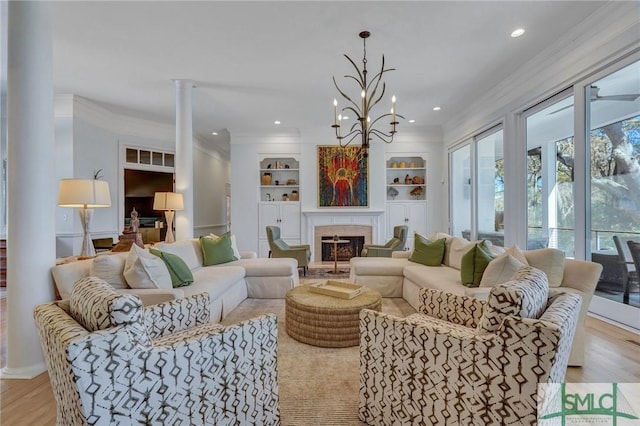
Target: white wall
x=89 y=138
x=245 y=176
x=211 y=176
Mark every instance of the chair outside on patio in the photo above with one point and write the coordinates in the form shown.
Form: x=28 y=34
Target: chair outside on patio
x=634 y=249
x=629 y=270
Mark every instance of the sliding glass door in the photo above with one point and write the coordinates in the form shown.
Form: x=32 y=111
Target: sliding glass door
x=460 y=190
x=550 y=175
x=613 y=125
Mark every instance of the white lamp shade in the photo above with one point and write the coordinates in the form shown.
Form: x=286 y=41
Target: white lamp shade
x=89 y=193
x=168 y=201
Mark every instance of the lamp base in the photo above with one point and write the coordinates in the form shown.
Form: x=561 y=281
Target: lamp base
x=87 y=251
x=169 y=238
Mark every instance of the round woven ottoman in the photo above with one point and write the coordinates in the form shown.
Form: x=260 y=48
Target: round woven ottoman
x=327 y=321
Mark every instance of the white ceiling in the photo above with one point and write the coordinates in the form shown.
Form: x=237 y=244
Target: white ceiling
x=256 y=62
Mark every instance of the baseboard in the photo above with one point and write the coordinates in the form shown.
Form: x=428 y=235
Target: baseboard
x=24 y=373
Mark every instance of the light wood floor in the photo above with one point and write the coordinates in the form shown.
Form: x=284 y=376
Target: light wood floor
x=612 y=355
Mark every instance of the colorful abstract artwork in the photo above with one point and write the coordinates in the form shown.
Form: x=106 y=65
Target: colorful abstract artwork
x=343 y=177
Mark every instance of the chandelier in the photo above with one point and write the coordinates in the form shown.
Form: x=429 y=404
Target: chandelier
x=370 y=95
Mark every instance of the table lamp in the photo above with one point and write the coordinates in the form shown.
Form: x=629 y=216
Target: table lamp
x=85 y=194
x=169 y=202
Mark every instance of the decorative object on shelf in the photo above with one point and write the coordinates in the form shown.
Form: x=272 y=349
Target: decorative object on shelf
x=412 y=165
x=417 y=191
x=269 y=166
x=266 y=178
x=365 y=124
x=169 y=202
x=291 y=182
x=130 y=235
x=343 y=174
x=285 y=197
x=392 y=192
x=403 y=164
x=408 y=180
x=85 y=194
x=394 y=165
x=417 y=180
x=286 y=166
x=294 y=195
x=277 y=182
x=278 y=164
x=396 y=180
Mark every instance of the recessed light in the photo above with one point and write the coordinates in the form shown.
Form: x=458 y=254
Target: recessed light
x=517 y=33
x=436 y=108
x=412 y=121
x=276 y=122
x=214 y=133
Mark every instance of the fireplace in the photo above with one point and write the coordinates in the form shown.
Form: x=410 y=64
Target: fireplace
x=345 y=251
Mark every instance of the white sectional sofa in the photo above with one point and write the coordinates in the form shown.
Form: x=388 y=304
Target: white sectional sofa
x=399 y=277
x=227 y=284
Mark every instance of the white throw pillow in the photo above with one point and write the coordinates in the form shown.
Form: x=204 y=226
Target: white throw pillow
x=234 y=245
x=459 y=247
x=110 y=268
x=550 y=261
x=144 y=270
x=500 y=270
x=517 y=253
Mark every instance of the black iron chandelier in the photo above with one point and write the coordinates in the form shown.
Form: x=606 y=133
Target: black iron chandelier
x=370 y=95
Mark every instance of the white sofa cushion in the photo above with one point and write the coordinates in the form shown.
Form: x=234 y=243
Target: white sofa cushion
x=188 y=250
x=110 y=267
x=436 y=277
x=550 y=261
x=144 y=270
x=273 y=267
x=500 y=270
x=457 y=249
x=215 y=281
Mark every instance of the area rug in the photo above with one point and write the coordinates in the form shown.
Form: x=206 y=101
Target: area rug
x=318 y=386
x=324 y=274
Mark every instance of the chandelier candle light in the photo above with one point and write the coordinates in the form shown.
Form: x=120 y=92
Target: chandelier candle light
x=369 y=98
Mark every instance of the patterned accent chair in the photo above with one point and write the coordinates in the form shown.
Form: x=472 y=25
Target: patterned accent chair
x=464 y=361
x=394 y=244
x=112 y=361
x=279 y=248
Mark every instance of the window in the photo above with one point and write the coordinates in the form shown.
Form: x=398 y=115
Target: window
x=477 y=204
x=460 y=190
x=613 y=143
x=550 y=175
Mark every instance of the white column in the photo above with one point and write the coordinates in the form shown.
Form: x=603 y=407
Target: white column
x=31 y=183
x=184 y=158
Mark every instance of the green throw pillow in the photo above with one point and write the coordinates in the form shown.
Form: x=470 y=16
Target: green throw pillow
x=427 y=252
x=217 y=250
x=473 y=264
x=178 y=270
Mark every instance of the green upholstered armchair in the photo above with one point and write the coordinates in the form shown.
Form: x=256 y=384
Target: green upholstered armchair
x=394 y=244
x=278 y=248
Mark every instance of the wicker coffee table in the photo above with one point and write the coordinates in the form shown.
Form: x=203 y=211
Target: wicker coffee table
x=327 y=321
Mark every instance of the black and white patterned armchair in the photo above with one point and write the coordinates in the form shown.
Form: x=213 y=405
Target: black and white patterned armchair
x=111 y=361
x=463 y=361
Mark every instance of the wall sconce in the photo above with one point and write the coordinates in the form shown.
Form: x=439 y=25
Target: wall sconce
x=85 y=194
x=169 y=202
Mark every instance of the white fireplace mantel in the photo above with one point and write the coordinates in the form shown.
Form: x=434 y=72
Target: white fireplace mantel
x=334 y=217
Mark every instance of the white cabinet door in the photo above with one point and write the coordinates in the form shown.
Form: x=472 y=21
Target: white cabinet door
x=417 y=214
x=284 y=215
x=269 y=216
x=396 y=215
x=411 y=214
x=290 y=221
